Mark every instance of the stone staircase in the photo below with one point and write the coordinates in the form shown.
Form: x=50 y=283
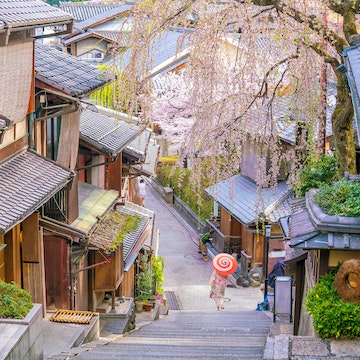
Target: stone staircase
x=188 y=335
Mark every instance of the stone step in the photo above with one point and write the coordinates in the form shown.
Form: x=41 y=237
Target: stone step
x=190 y=335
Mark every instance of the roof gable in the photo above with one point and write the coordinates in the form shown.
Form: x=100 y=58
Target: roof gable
x=27 y=181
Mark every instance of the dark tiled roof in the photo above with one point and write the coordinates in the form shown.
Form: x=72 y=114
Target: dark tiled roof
x=27 y=181
x=85 y=10
x=108 y=134
x=306 y=233
x=240 y=197
x=18 y=13
x=65 y=72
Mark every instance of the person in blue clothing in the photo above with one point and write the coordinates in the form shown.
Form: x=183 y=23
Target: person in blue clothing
x=202 y=244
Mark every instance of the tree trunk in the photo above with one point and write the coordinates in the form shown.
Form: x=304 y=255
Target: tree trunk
x=342 y=129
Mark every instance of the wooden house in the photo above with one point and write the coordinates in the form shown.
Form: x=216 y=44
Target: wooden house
x=96 y=30
x=28 y=178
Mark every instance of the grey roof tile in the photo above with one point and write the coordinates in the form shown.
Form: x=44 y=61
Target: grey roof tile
x=305 y=234
x=18 y=13
x=169 y=44
x=109 y=36
x=65 y=72
x=131 y=239
x=27 y=181
x=104 y=16
x=85 y=10
x=138 y=147
x=148 y=167
x=106 y=133
x=240 y=196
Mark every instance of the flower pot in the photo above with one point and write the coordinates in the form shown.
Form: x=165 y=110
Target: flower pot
x=148 y=306
x=139 y=306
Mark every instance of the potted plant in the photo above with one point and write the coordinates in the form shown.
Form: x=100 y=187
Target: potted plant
x=139 y=303
x=144 y=281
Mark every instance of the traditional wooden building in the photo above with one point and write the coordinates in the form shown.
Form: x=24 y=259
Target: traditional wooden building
x=28 y=178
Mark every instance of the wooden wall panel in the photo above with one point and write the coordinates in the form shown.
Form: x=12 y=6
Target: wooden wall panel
x=225 y=222
x=30 y=239
x=108 y=276
x=114 y=175
x=128 y=283
x=2 y=259
x=33 y=284
x=12 y=256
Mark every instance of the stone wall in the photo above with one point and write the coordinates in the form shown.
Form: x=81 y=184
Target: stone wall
x=22 y=339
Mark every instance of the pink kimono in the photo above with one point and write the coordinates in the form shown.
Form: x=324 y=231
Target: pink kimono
x=218 y=284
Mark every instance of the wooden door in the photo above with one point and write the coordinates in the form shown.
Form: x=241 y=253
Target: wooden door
x=56 y=266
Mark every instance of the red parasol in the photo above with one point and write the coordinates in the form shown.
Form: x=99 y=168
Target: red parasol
x=224 y=264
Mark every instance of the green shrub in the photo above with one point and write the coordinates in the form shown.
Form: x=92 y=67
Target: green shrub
x=158 y=265
x=341 y=198
x=15 y=303
x=315 y=173
x=179 y=179
x=333 y=318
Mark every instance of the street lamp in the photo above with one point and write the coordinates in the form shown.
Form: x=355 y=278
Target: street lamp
x=267 y=234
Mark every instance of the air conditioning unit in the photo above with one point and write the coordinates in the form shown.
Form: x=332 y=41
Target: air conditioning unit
x=98 y=55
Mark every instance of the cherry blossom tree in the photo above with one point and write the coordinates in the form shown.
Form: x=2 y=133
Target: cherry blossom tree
x=251 y=64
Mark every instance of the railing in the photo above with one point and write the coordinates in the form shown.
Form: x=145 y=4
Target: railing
x=224 y=243
x=245 y=264
x=55 y=208
x=124 y=190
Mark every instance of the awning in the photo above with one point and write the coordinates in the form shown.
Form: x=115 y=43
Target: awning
x=28 y=181
x=94 y=204
x=106 y=134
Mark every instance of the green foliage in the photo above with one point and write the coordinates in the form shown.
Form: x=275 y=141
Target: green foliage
x=144 y=279
x=158 y=265
x=341 y=198
x=179 y=179
x=333 y=318
x=316 y=172
x=15 y=303
x=169 y=160
x=106 y=96
x=131 y=224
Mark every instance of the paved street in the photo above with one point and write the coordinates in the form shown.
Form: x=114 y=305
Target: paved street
x=186 y=273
